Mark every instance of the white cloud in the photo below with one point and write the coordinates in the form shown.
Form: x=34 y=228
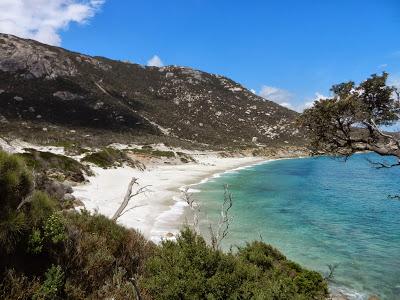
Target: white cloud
x=285 y=98
x=394 y=80
x=286 y=104
x=275 y=94
x=155 y=61
x=382 y=66
x=43 y=20
x=309 y=104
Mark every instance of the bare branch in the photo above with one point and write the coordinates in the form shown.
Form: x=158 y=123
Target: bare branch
x=222 y=230
x=27 y=199
x=131 y=208
x=390 y=137
x=194 y=206
x=128 y=197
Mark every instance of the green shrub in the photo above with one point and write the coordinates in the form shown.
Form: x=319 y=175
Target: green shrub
x=40 y=208
x=154 y=153
x=15 y=181
x=35 y=242
x=13 y=226
x=185 y=158
x=54 y=229
x=53 y=284
x=189 y=269
x=97 y=249
x=56 y=166
x=107 y=158
x=15 y=185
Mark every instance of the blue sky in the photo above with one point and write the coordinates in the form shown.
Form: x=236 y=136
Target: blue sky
x=292 y=48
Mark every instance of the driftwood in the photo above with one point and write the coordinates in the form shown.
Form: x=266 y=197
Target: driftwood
x=128 y=196
x=220 y=233
x=194 y=206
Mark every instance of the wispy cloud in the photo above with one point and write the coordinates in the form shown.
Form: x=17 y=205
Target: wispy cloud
x=396 y=53
x=286 y=98
x=155 y=61
x=394 y=80
x=43 y=20
x=310 y=103
x=278 y=95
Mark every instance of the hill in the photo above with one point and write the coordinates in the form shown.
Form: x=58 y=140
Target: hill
x=71 y=96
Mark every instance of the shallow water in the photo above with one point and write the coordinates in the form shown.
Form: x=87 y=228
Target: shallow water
x=319 y=211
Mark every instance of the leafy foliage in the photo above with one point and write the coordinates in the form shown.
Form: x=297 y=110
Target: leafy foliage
x=189 y=269
x=35 y=242
x=54 y=229
x=52 y=285
x=351 y=120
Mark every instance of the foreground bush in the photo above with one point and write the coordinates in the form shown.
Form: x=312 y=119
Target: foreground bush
x=189 y=269
x=47 y=253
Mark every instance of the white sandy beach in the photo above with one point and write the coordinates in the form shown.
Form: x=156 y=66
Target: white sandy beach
x=160 y=211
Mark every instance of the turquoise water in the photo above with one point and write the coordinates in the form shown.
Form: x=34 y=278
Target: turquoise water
x=319 y=211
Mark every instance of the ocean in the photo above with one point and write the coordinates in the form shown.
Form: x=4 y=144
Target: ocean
x=318 y=211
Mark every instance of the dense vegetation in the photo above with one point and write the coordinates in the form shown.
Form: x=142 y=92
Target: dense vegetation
x=354 y=119
x=190 y=269
x=50 y=253
x=107 y=158
x=56 y=166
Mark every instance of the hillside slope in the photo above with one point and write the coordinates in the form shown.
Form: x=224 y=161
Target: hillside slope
x=41 y=86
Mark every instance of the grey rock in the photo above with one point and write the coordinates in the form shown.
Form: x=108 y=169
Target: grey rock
x=69 y=197
x=5 y=146
x=65 y=95
x=3 y=120
x=37 y=60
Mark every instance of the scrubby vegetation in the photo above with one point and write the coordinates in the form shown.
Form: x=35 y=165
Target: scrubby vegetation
x=106 y=158
x=55 y=166
x=190 y=269
x=50 y=253
x=110 y=157
x=155 y=153
x=185 y=158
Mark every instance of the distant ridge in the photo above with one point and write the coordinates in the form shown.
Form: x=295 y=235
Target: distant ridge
x=49 y=85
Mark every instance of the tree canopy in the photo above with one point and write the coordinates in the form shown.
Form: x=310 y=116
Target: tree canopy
x=353 y=119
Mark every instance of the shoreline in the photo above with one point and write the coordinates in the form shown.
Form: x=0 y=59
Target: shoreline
x=159 y=213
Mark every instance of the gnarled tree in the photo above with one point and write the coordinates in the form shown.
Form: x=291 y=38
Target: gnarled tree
x=353 y=119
